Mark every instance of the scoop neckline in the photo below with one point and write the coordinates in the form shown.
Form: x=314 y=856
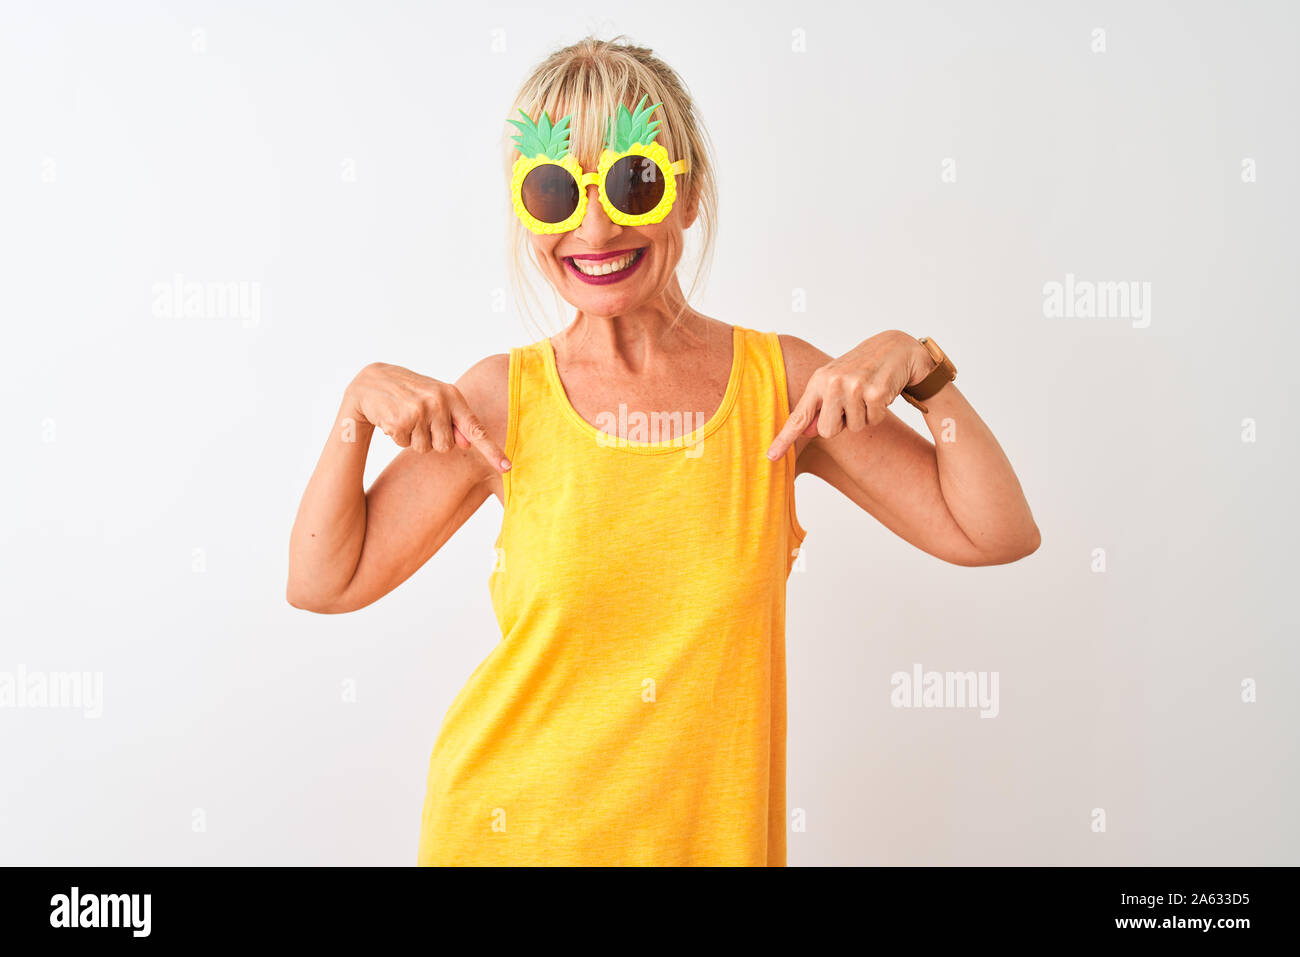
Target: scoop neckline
x=681 y=443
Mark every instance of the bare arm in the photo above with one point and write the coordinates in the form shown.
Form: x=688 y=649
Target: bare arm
x=350 y=547
x=957 y=498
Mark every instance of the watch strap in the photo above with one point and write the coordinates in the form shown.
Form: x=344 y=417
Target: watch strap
x=943 y=373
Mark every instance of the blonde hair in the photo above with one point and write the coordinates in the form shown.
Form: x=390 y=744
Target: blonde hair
x=590 y=79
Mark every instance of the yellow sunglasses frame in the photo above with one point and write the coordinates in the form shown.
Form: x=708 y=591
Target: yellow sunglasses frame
x=654 y=152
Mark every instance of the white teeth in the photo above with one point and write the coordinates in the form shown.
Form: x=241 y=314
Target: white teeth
x=606 y=266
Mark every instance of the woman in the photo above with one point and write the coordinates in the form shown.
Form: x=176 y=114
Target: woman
x=634 y=710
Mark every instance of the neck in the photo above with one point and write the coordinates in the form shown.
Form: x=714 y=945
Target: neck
x=634 y=337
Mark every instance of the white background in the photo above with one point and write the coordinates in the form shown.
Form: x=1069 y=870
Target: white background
x=139 y=141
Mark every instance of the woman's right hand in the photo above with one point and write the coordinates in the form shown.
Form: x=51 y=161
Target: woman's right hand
x=420 y=413
x=351 y=545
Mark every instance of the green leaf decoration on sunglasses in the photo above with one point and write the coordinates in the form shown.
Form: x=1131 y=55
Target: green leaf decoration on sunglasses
x=632 y=127
x=541 y=138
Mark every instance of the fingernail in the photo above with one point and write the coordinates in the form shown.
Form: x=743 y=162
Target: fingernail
x=505 y=465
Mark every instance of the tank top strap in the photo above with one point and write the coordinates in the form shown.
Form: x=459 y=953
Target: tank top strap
x=763 y=409
x=533 y=408
x=757 y=410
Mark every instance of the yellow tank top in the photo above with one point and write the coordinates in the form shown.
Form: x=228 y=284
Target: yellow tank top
x=634 y=710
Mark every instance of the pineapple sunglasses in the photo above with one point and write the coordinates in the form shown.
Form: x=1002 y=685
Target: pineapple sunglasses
x=637 y=181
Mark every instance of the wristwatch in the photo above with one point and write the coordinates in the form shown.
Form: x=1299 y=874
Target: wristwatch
x=944 y=372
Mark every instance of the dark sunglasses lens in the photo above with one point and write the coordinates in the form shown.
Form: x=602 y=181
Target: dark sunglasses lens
x=550 y=193
x=635 y=185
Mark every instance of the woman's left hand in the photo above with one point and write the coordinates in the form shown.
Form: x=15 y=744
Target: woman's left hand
x=854 y=390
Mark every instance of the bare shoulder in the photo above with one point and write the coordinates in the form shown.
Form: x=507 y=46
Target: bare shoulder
x=486 y=377
x=486 y=387
x=802 y=359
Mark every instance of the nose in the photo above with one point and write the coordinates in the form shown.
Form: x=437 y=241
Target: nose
x=596 y=227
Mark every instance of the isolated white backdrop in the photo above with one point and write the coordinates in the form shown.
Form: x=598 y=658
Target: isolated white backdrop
x=342 y=160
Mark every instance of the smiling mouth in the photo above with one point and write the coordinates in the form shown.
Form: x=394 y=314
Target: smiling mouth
x=607 y=267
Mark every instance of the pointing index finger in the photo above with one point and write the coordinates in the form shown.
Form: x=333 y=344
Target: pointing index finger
x=467 y=423
x=796 y=424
